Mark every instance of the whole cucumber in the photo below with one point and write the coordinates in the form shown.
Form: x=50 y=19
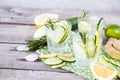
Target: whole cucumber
x=74 y=22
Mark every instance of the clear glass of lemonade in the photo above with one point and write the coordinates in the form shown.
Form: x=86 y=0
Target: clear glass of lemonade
x=88 y=42
x=58 y=34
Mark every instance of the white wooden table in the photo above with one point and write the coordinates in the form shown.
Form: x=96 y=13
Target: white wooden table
x=16 y=26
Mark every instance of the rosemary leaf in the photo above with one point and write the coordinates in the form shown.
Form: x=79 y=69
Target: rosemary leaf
x=50 y=24
x=84 y=14
x=35 y=44
x=99 y=23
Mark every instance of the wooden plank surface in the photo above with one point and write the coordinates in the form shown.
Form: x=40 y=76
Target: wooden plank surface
x=12 y=59
x=21 y=27
x=17 y=25
x=26 y=15
x=16 y=33
x=94 y=5
x=8 y=74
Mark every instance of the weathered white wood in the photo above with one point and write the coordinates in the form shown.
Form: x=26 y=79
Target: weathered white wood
x=9 y=58
x=16 y=33
x=94 y=5
x=8 y=74
x=17 y=25
x=19 y=15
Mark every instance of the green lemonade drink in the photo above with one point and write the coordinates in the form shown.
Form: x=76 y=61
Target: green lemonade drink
x=88 y=44
x=58 y=34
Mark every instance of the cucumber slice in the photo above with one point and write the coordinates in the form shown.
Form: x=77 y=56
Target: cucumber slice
x=67 y=58
x=53 y=61
x=59 y=34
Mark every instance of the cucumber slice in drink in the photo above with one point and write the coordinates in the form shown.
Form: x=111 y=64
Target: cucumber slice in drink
x=90 y=47
x=61 y=32
x=53 y=61
x=64 y=37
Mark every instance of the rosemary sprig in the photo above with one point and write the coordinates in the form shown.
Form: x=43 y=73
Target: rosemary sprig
x=36 y=44
x=99 y=23
x=84 y=14
x=83 y=33
x=83 y=36
x=50 y=24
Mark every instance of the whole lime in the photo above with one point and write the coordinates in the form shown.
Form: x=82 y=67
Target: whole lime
x=112 y=31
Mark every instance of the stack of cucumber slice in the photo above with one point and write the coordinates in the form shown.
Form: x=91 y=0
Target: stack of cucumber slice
x=57 y=60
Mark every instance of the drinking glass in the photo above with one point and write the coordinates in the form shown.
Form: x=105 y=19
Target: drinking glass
x=58 y=35
x=88 y=42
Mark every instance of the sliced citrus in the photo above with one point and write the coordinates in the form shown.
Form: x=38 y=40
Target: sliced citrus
x=41 y=19
x=39 y=32
x=59 y=65
x=48 y=56
x=101 y=71
x=65 y=55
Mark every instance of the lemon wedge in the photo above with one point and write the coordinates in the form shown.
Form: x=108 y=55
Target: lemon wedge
x=101 y=71
x=41 y=19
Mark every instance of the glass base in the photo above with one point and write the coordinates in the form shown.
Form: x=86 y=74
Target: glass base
x=84 y=62
x=57 y=48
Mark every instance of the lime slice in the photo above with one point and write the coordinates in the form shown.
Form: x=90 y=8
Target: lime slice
x=39 y=32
